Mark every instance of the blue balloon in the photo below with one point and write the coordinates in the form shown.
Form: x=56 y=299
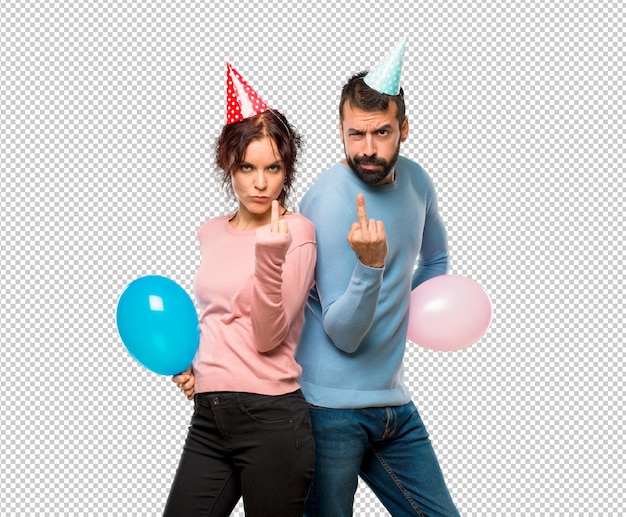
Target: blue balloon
x=158 y=324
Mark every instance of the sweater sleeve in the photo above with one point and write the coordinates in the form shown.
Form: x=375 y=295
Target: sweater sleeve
x=283 y=276
x=348 y=290
x=433 y=257
x=349 y=317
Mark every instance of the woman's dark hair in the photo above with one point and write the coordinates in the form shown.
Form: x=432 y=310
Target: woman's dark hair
x=361 y=96
x=231 y=145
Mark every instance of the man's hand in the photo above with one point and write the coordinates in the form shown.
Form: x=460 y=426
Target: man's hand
x=367 y=238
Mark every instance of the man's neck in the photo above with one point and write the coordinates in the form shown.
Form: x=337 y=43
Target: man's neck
x=391 y=177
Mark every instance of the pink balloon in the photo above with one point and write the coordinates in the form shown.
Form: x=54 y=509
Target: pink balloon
x=448 y=312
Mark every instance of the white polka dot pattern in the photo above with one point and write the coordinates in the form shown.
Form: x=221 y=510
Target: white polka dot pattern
x=241 y=100
x=385 y=76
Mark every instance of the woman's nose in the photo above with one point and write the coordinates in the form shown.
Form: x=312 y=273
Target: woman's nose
x=260 y=181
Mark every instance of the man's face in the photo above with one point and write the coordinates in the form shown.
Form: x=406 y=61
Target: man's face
x=371 y=141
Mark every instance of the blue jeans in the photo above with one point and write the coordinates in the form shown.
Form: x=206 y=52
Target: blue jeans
x=389 y=448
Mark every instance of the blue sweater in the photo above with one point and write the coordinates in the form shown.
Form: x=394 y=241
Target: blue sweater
x=354 y=335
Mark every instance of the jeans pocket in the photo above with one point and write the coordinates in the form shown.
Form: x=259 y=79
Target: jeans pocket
x=266 y=409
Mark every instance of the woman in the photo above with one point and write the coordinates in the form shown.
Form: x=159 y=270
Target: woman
x=250 y=434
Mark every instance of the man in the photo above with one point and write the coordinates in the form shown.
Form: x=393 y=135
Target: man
x=375 y=215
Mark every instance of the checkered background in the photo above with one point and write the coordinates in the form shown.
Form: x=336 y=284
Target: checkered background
x=108 y=113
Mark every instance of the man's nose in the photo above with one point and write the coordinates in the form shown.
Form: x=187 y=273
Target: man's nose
x=370 y=146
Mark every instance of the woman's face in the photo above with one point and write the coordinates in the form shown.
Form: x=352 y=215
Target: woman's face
x=260 y=178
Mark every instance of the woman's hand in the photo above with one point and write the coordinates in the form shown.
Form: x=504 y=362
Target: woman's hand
x=186 y=382
x=277 y=224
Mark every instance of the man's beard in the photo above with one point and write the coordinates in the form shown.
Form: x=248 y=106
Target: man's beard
x=372 y=177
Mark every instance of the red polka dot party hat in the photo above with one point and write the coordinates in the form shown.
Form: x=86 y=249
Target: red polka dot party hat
x=241 y=100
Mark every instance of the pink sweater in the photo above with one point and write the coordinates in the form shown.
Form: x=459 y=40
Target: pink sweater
x=251 y=288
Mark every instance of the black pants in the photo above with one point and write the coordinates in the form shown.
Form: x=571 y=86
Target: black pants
x=243 y=444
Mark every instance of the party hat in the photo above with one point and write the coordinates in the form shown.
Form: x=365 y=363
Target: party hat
x=241 y=100
x=385 y=77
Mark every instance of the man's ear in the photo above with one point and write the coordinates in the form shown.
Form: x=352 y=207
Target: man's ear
x=404 y=129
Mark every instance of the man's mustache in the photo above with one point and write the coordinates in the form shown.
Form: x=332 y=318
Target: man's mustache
x=370 y=160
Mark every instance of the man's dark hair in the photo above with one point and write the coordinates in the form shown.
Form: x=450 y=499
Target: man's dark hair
x=361 y=96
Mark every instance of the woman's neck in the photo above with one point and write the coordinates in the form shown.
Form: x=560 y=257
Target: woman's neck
x=242 y=223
